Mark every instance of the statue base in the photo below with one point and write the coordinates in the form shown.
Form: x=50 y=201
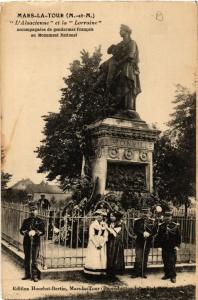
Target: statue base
x=121 y=150
x=128 y=114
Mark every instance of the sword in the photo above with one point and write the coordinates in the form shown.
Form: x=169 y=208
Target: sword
x=143 y=257
x=31 y=243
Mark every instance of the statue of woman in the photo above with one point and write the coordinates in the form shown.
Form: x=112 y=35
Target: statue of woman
x=121 y=72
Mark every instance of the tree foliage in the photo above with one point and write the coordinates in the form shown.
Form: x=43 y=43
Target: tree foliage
x=5 y=177
x=65 y=142
x=174 y=155
x=16 y=196
x=62 y=149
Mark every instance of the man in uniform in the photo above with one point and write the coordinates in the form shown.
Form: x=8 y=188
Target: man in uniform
x=29 y=199
x=144 y=229
x=43 y=203
x=169 y=239
x=32 y=228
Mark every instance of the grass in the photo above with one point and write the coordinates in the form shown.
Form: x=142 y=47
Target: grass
x=122 y=293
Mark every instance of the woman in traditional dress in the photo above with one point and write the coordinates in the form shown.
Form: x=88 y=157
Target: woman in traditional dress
x=115 y=246
x=96 y=259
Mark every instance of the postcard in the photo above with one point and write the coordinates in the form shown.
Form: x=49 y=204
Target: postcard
x=98 y=148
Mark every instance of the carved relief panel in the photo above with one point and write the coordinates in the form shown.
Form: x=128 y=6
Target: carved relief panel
x=121 y=176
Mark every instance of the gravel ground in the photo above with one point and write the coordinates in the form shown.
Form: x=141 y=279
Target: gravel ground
x=14 y=288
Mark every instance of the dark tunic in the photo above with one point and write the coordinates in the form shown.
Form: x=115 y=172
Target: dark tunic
x=143 y=245
x=169 y=237
x=31 y=246
x=115 y=252
x=44 y=204
x=142 y=225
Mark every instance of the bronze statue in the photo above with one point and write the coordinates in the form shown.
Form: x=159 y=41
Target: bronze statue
x=121 y=73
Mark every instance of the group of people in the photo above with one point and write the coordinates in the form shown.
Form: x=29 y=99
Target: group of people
x=42 y=203
x=105 y=252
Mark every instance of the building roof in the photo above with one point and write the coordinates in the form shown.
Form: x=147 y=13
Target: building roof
x=31 y=187
x=22 y=184
x=45 y=188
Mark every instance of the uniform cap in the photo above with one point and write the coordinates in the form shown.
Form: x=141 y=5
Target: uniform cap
x=32 y=206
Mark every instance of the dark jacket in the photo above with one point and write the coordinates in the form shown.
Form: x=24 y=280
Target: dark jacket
x=32 y=223
x=44 y=203
x=169 y=235
x=140 y=226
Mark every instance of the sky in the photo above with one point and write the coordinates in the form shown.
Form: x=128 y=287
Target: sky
x=33 y=68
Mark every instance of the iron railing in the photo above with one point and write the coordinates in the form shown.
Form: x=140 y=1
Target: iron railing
x=64 y=244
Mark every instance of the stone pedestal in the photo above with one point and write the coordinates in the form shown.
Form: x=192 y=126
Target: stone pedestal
x=122 y=154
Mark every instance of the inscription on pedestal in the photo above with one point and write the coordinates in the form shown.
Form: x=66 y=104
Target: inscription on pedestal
x=121 y=142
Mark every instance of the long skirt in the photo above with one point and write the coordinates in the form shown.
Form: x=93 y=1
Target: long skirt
x=115 y=255
x=96 y=260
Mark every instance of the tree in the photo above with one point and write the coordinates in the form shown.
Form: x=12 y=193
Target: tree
x=61 y=151
x=16 y=196
x=174 y=155
x=183 y=135
x=5 y=177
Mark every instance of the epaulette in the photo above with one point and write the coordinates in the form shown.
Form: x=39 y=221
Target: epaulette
x=152 y=219
x=176 y=223
x=162 y=224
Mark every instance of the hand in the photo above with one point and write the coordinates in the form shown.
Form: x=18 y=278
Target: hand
x=32 y=233
x=38 y=232
x=104 y=225
x=134 y=236
x=56 y=230
x=176 y=248
x=146 y=234
x=137 y=72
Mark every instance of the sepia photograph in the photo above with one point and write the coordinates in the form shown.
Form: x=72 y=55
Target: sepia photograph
x=98 y=150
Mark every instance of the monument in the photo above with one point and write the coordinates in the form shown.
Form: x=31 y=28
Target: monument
x=122 y=145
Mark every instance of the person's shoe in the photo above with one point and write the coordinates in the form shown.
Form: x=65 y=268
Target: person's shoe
x=173 y=280
x=111 y=276
x=35 y=279
x=144 y=276
x=135 y=276
x=26 y=277
x=165 y=277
